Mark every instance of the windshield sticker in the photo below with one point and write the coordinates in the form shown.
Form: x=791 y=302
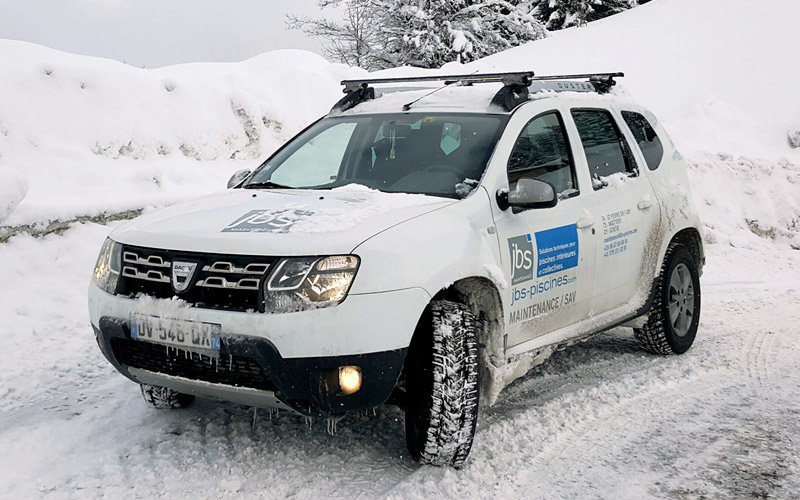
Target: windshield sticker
x=267 y=221
x=549 y=260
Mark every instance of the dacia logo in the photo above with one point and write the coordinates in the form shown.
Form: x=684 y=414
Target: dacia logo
x=182 y=273
x=520 y=248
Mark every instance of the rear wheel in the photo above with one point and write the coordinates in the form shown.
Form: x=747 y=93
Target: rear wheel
x=675 y=314
x=442 y=385
x=162 y=397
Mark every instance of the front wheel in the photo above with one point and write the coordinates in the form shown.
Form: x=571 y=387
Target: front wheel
x=675 y=314
x=442 y=385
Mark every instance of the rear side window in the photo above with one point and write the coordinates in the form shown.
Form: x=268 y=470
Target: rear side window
x=542 y=152
x=646 y=138
x=606 y=150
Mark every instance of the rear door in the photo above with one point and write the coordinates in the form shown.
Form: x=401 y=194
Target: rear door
x=623 y=208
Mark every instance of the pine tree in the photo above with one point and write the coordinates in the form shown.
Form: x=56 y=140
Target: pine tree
x=432 y=32
x=560 y=14
x=423 y=33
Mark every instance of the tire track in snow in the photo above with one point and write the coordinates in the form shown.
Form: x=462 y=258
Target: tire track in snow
x=758 y=368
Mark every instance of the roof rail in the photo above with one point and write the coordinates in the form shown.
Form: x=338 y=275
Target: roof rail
x=513 y=93
x=602 y=82
x=518 y=78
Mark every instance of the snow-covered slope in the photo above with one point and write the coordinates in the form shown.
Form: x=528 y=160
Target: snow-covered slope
x=722 y=77
x=721 y=74
x=87 y=135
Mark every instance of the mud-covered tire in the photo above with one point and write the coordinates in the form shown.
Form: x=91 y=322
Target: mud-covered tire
x=442 y=385
x=671 y=326
x=162 y=397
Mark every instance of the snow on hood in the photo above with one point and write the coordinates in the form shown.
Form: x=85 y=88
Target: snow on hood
x=276 y=222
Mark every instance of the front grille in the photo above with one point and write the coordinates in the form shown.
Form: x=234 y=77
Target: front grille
x=231 y=282
x=236 y=371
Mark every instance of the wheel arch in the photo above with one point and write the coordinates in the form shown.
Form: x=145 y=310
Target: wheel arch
x=691 y=239
x=483 y=299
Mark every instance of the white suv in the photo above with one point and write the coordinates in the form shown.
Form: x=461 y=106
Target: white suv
x=421 y=245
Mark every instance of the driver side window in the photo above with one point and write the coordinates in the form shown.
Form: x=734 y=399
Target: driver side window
x=542 y=152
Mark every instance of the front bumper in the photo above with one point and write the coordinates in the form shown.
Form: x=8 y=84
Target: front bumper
x=288 y=361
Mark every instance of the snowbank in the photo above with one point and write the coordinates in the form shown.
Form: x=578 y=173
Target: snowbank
x=97 y=135
x=745 y=202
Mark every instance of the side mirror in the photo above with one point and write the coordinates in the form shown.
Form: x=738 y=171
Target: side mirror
x=238 y=177
x=528 y=193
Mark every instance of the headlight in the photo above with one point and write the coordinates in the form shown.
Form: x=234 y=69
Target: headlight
x=309 y=283
x=106 y=271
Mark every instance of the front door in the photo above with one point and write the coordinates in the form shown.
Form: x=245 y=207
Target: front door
x=547 y=253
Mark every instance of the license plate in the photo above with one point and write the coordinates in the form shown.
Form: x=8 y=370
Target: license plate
x=177 y=332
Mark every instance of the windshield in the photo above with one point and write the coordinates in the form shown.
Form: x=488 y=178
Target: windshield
x=436 y=154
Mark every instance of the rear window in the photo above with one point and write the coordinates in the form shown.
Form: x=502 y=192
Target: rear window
x=607 y=151
x=646 y=138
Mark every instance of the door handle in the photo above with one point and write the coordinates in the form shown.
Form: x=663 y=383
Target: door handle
x=585 y=221
x=644 y=204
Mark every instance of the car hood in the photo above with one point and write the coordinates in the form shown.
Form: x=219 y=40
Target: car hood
x=277 y=221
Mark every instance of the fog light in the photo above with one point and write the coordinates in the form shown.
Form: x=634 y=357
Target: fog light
x=349 y=379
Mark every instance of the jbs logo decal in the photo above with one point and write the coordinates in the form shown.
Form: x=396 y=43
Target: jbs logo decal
x=522 y=258
x=556 y=250
x=550 y=258
x=266 y=221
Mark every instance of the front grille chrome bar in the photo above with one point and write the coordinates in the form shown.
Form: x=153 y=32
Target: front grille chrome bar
x=220 y=282
x=157 y=276
x=229 y=268
x=151 y=261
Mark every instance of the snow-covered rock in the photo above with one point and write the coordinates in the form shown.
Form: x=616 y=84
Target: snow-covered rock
x=794 y=137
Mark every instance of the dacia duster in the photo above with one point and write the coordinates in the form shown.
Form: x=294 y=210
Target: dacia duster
x=425 y=243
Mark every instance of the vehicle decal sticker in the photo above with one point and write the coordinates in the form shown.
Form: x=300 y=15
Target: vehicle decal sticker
x=549 y=259
x=266 y=221
x=615 y=239
x=557 y=250
x=521 y=250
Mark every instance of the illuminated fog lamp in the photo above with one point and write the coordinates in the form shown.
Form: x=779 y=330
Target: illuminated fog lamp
x=349 y=379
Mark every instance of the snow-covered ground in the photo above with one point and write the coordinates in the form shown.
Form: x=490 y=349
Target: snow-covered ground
x=599 y=420
x=83 y=136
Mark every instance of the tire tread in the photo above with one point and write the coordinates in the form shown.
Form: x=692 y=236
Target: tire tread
x=454 y=409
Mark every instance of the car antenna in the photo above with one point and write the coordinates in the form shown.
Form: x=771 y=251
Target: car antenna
x=407 y=107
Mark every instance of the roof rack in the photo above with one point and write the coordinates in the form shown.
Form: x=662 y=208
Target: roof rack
x=514 y=91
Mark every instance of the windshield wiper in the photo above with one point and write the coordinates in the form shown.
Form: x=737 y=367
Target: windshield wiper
x=266 y=185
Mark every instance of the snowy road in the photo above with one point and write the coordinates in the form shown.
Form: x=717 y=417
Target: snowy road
x=598 y=420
